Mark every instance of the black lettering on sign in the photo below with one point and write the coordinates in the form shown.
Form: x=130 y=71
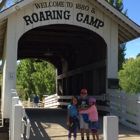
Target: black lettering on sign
x=67 y=15
x=79 y=17
x=93 y=10
x=28 y=20
x=94 y=22
x=49 y=4
x=100 y=24
x=90 y=20
x=82 y=7
x=37 y=5
x=35 y=17
x=46 y=15
x=42 y=17
x=69 y=4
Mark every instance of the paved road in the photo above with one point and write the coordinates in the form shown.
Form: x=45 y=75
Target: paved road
x=50 y=124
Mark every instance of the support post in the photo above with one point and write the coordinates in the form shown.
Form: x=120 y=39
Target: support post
x=13 y=103
x=110 y=128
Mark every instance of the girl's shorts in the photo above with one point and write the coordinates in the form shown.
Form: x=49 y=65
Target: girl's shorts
x=94 y=125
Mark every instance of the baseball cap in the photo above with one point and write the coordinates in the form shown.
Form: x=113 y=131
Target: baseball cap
x=83 y=90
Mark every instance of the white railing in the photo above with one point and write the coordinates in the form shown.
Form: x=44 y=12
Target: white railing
x=54 y=101
x=126 y=107
x=18 y=119
x=121 y=104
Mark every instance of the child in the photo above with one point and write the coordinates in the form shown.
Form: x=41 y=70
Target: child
x=83 y=104
x=72 y=117
x=93 y=117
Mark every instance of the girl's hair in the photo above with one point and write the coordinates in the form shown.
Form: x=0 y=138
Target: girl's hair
x=71 y=102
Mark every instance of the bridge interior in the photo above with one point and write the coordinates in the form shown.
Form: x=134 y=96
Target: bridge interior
x=78 y=54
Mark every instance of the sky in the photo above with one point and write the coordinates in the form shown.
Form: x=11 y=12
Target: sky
x=133 y=7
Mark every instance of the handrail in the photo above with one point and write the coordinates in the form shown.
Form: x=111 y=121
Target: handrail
x=57 y=100
x=26 y=122
x=28 y=125
x=18 y=113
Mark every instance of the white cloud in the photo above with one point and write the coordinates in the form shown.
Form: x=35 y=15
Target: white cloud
x=132 y=56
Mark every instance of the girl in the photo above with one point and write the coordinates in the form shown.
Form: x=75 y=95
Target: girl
x=93 y=117
x=72 y=117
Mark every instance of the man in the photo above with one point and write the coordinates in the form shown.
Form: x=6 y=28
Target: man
x=36 y=100
x=83 y=104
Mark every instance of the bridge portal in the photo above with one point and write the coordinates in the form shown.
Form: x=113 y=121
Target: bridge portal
x=79 y=37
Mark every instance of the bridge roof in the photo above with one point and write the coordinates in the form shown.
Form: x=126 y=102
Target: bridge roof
x=127 y=29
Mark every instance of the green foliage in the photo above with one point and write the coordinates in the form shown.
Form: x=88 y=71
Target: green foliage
x=33 y=77
x=110 y=1
x=130 y=76
x=4 y=4
x=138 y=54
x=121 y=55
x=118 y=4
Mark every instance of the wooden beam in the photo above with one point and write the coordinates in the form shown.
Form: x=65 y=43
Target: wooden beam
x=82 y=69
x=124 y=31
x=39 y=38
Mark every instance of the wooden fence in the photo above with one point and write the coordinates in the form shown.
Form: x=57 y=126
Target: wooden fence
x=126 y=107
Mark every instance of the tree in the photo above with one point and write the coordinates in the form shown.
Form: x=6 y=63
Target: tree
x=36 y=78
x=129 y=76
x=121 y=55
x=7 y=3
x=2 y=4
x=138 y=54
x=118 y=4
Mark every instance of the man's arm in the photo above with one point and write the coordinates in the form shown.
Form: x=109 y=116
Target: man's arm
x=82 y=108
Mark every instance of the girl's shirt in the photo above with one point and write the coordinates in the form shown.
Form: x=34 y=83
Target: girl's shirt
x=73 y=110
x=92 y=113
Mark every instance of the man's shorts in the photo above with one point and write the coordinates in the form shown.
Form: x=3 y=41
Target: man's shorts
x=82 y=123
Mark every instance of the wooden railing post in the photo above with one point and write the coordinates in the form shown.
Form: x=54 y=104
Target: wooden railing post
x=28 y=102
x=123 y=106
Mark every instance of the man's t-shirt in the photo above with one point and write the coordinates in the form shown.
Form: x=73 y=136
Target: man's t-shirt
x=83 y=102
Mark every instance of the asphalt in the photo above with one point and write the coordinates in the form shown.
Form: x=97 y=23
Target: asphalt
x=50 y=124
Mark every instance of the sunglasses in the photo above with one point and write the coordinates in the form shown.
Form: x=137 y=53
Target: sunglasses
x=83 y=93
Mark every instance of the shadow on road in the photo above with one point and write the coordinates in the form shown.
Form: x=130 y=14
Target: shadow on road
x=50 y=124
x=47 y=123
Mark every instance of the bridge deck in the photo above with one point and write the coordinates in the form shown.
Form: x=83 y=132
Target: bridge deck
x=50 y=124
